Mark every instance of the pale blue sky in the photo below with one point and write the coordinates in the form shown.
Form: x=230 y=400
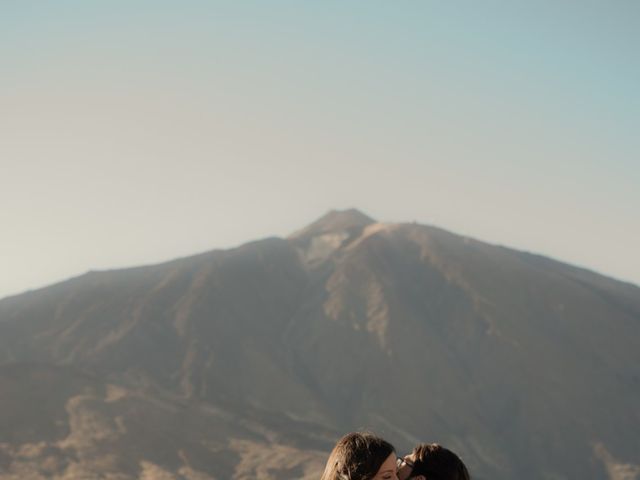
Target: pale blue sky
x=133 y=132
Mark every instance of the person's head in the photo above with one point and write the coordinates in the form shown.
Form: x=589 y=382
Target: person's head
x=432 y=462
x=361 y=456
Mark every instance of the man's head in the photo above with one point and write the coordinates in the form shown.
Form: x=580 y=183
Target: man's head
x=432 y=462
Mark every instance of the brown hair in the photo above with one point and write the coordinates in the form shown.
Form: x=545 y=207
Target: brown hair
x=438 y=463
x=357 y=456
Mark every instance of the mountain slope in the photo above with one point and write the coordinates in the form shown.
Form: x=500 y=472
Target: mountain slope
x=526 y=366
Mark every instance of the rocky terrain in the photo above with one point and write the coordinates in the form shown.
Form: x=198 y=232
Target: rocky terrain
x=251 y=362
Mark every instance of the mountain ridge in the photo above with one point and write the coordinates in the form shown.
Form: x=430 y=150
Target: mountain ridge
x=354 y=219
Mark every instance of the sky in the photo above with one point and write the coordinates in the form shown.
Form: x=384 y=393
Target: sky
x=134 y=132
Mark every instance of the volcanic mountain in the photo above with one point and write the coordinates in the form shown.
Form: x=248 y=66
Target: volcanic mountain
x=251 y=362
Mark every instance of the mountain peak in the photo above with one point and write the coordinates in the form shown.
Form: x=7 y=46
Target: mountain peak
x=335 y=221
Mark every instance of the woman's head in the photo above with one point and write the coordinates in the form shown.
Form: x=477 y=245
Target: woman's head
x=361 y=456
x=433 y=462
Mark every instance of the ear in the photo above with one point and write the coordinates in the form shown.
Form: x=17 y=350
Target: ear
x=419 y=477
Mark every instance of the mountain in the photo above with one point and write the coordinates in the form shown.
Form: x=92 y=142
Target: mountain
x=251 y=362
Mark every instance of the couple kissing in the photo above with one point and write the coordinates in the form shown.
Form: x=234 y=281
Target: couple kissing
x=365 y=456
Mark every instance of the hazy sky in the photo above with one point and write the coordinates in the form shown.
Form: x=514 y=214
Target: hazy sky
x=133 y=132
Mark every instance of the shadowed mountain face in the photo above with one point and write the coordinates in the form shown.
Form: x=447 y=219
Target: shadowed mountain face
x=249 y=363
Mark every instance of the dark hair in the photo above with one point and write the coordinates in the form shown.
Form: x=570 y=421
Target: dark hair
x=438 y=463
x=357 y=456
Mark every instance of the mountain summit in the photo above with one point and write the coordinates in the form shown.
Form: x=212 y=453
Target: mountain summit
x=335 y=221
x=251 y=362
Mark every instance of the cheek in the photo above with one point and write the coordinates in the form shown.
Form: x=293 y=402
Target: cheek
x=403 y=473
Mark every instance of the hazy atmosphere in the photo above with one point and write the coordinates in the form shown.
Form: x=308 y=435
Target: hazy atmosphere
x=417 y=219
x=136 y=132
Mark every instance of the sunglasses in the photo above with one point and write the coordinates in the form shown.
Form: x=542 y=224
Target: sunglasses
x=400 y=462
